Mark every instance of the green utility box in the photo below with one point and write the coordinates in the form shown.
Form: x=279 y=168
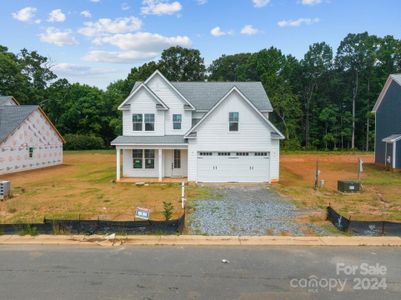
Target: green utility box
x=348 y=186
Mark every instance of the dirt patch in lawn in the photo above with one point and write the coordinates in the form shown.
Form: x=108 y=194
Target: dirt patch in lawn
x=84 y=186
x=379 y=199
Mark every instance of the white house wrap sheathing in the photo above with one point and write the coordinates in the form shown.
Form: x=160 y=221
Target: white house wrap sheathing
x=36 y=133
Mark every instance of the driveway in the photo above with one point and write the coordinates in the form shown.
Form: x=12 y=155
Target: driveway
x=247 y=210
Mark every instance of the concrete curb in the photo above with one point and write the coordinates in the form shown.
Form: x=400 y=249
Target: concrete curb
x=197 y=240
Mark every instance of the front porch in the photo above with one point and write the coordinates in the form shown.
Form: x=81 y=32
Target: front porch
x=150 y=163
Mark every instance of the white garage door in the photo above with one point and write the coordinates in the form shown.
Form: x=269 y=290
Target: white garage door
x=233 y=167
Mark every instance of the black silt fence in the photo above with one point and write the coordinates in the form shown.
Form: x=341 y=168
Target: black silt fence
x=50 y=226
x=340 y=222
x=366 y=228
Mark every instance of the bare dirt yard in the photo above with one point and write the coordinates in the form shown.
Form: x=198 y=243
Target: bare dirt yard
x=380 y=198
x=84 y=186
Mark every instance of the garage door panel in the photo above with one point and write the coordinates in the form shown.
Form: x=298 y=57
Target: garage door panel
x=250 y=168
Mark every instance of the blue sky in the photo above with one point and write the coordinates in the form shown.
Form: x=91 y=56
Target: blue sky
x=98 y=41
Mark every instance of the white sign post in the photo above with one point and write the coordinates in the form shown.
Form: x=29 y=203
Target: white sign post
x=360 y=168
x=182 y=195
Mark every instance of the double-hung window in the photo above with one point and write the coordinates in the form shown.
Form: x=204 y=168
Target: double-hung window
x=177 y=159
x=137 y=122
x=233 y=120
x=177 y=119
x=149 y=122
x=149 y=159
x=137 y=158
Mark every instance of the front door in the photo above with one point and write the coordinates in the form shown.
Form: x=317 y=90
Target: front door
x=168 y=162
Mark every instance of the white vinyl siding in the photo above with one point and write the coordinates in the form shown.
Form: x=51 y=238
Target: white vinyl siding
x=143 y=103
x=254 y=135
x=175 y=104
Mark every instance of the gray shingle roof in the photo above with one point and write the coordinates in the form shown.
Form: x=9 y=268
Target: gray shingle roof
x=150 y=140
x=203 y=95
x=11 y=117
x=5 y=99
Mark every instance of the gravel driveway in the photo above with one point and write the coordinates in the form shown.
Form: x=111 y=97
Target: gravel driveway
x=246 y=210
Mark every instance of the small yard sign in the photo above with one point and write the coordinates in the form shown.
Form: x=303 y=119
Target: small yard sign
x=142 y=213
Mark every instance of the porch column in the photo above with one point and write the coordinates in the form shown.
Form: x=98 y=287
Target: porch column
x=118 y=163
x=394 y=153
x=160 y=154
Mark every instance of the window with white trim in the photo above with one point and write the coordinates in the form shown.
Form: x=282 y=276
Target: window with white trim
x=233 y=120
x=242 y=153
x=149 y=122
x=205 y=153
x=137 y=158
x=177 y=119
x=223 y=153
x=149 y=159
x=260 y=153
x=137 y=122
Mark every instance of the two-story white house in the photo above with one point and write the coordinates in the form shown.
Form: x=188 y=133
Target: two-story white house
x=204 y=131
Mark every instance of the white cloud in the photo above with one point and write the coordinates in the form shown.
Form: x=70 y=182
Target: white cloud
x=95 y=1
x=56 y=15
x=25 y=14
x=160 y=7
x=297 y=22
x=125 y=6
x=201 y=2
x=105 y=25
x=119 y=56
x=249 y=30
x=143 y=41
x=57 y=37
x=86 y=14
x=37 y=21
x=216 y=31
x=260 y=3
x=311 y=2
x=136 y=46
x=65 y=69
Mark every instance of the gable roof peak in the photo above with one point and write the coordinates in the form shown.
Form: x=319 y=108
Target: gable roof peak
x=253 y=107
x=391 y=78
x=157 y=72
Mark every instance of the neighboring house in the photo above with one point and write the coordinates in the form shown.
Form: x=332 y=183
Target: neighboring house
x=388 y=124
x=28 y=140
x=205 y=131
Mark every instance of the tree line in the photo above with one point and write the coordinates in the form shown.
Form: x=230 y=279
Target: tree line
x=322 y=101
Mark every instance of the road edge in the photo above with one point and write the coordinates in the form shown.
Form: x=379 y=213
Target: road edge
x=197 y=240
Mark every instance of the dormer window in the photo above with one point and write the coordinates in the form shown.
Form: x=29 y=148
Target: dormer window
x=233 y=120
x=137 y=122
x=177 y=119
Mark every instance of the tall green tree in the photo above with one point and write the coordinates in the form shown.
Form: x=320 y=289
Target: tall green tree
x=316 y=67
x=182 y=64
x=355 y=58
x=228 y=67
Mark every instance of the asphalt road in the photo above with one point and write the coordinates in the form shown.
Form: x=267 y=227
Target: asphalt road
x=39 y=272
